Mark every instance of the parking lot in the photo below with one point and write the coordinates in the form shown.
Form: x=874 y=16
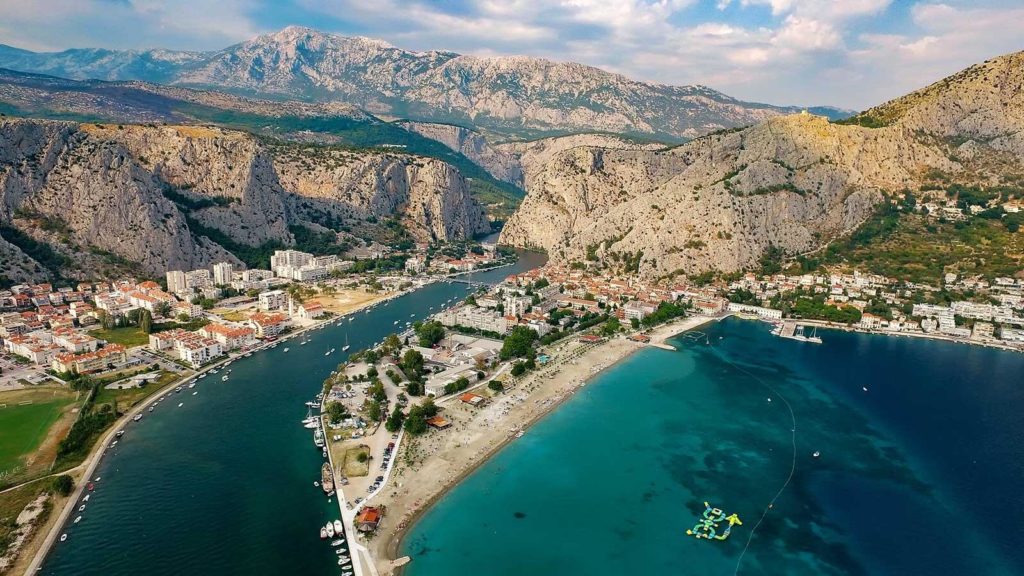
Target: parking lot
x=17 y=375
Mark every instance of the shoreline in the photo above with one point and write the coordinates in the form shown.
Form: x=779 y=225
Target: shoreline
x=95 y=456
x=386 y=553
x=993 y=344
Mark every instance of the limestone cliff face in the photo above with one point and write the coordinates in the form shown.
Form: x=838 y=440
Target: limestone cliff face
x=107 y=192
x=719 y=202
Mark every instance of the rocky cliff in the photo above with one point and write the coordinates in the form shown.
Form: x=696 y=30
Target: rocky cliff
x=151 y=197
x=509 y=94
x=791 y=183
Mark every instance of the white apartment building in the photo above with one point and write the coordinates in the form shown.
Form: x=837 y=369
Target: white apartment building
x=273 y=300
x=176 y=281
x=760 y=312
x=223 y=273
x=474 y=317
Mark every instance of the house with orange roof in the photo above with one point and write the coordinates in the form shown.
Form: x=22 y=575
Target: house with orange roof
x=369 y=518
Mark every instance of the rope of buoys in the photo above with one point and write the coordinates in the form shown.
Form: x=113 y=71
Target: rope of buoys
x=792 y=468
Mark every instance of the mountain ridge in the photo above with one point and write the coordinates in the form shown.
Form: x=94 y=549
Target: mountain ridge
x=515 y=95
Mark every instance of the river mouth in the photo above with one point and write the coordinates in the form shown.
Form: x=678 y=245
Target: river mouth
x=621 y=471
x=223 y=484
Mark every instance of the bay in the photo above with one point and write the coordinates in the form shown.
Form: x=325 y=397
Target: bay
x=917 y=474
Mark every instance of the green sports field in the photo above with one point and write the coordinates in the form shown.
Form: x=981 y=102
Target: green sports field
x=25 y=425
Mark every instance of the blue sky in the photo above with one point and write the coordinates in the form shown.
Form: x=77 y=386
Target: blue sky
x=850 y=53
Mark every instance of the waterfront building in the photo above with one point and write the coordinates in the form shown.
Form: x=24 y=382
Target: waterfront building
x=191 y=347
x=268 y=325
x=760 y=312
x=229 y=337
x=311 y=310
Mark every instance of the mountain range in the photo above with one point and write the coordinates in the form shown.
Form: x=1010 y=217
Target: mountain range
x=518 y=96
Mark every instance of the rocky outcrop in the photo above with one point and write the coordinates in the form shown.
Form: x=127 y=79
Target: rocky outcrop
x=145 y=194
x=471 y=144
x=517 y=95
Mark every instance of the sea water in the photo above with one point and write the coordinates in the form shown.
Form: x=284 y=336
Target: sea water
x=921 y=459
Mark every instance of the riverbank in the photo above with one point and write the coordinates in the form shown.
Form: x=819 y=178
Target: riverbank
x=48 y=535
x=442 y=459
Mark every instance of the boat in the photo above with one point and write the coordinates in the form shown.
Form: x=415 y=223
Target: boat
x=151 y=408
x=196 y=392
x=396 y=322
x=120 y=433
x=224 y=378
x=247 y=354
x=77 y=520
x=86 y=499
x=323 y=533
x=81 y=508
x=338 y=528
x=202 y=375
x=177 y=390
x=192 y=384
x=137 y=418
x=346 y=346
x=318 y=438
x=303 y=343
x=330 y=530
x=336 y=543
x=286 y=349
x=311 y=425
x=327 y=481
x=114 y=443
x=63 y=537
x=816 y=454
x=814 y=336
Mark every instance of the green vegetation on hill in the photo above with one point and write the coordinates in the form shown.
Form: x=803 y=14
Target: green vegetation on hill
x=919 y=248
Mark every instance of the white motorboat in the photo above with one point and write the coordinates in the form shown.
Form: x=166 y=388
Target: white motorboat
x=323 y=533
x=310 y=425
x=338 y=528
x=285 y=349
x=63 y=537
x=336 y=543
x=330 y=530
x=77 y=520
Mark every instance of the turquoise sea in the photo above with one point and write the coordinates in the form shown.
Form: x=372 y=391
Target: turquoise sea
x=223 y=484
x=921 y=465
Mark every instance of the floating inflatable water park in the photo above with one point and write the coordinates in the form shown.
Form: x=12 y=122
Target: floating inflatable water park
x=709 y=524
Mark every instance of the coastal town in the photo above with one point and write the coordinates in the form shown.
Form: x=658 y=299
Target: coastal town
x=473 y=372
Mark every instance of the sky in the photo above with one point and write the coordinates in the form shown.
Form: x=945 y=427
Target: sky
x=846 y=53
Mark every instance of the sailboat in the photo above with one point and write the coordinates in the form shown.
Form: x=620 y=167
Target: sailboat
x=814 y=336
x=346 y=346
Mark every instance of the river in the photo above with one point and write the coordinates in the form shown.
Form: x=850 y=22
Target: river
x=223 y=484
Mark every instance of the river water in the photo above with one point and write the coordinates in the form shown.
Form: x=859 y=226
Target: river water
x=919 y=474
x=223 y=484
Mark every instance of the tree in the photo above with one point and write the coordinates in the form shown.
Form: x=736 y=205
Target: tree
x=145 y=321
x=395 y=420
x=412 y=363
x=336 y=412
x=163 y=308
x=518 y=343
x=62 y=484
x=415 y=424
x=518 y=369
x=635 y=323
x=414 y=388
x=496 y=385
x=430 y=333
x=374 y=411
x=392 y=344
x=479 y=376
x=372 y=373
x=611 y=327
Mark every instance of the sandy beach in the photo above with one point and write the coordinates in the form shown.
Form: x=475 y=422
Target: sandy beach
x=440 y=459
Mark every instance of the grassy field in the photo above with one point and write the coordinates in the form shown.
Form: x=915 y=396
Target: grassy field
x=353 y=467
x=25 y=426
x=129 y=397
x=232 y=316
x=128 y=336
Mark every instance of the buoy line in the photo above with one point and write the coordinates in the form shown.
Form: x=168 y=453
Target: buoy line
x=792 y=467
